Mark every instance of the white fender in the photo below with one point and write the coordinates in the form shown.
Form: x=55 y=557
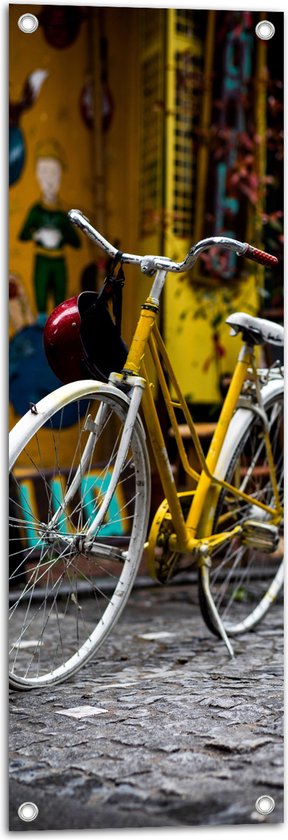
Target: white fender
x=239 y=425
x=32 y=421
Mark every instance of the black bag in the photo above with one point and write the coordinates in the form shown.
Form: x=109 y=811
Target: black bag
x=100 y=333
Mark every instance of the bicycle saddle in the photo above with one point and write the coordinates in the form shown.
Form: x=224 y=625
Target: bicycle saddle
x=256 y=330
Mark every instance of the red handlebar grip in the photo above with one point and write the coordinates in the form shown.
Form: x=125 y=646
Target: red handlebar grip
x=260 y=256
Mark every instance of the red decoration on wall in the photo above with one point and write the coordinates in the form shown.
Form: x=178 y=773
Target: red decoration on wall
x=61 y=24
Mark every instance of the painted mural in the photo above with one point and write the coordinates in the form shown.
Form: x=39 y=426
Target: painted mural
x=17 y=147
x=48 y=226
x=74 y=118
x=228 y=88
x=236 y=137
x=47 y=176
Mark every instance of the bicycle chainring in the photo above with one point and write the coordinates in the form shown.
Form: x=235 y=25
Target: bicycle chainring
x=162 y=563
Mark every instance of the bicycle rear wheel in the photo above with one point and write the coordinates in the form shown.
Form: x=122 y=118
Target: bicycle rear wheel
x=243 y=580
x=67 y=589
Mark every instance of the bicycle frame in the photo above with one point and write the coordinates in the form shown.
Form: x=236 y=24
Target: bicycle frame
x=188 y=534
x=133 y=378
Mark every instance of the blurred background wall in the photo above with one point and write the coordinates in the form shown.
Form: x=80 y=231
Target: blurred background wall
x=164 y=126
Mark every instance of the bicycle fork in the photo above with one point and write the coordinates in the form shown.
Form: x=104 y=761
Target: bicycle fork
x=129 y=424
x=95 y=427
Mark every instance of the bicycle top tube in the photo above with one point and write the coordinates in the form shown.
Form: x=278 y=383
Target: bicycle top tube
x=150 y=263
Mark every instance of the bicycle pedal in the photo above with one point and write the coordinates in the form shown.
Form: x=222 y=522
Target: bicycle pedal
x=260 y=535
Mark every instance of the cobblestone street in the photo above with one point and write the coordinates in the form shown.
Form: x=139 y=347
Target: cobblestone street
x=177 y=734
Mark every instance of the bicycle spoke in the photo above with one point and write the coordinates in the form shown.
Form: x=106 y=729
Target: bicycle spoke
x=63 y=601
x=240 y=573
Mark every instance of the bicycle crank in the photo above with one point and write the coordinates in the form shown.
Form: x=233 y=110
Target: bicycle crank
x=162 y=563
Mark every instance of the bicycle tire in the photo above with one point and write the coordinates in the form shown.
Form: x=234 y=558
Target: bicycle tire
x=66 y=597
x=243 y=585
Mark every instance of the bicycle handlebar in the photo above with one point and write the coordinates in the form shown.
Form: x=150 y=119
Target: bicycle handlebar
x=150 y=263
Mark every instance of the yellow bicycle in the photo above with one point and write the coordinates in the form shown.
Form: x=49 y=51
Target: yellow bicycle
x=79 y=530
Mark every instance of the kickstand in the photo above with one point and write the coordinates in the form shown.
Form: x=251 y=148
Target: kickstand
x=214 y=611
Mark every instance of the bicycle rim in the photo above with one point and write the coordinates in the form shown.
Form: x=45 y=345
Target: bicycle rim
x=66 y=592
x=244 y=581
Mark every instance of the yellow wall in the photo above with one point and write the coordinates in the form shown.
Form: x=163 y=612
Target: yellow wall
x=121 y=152
x=102 y=177
x=55 y=114
x=99 y=176
x=189 y=339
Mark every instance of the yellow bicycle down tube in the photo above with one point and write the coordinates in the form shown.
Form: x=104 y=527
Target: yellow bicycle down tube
x=163 y=464
x=135 y=364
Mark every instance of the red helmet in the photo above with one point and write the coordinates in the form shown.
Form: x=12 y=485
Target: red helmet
x=81 y=340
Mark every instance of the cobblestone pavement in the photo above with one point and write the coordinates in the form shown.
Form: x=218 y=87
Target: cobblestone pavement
x=186 y=736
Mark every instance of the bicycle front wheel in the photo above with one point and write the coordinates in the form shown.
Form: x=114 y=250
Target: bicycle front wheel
x=243 y=579
x=67 y=585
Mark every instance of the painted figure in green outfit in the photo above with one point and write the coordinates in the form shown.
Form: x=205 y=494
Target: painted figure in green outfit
x=50 y=229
